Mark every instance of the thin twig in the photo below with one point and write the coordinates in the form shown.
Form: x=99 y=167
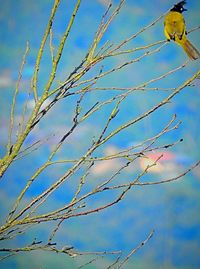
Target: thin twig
x=135 y=250
x=15 y=97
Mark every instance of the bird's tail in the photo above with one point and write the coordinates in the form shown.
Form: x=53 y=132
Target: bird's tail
x=191 y=51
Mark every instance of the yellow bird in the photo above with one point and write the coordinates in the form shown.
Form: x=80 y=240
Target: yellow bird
x=174 y=29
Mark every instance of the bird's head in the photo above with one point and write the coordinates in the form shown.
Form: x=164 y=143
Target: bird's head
x=179 y=7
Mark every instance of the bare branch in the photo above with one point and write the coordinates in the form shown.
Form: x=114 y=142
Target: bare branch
x=9 y=149
x=135 y=250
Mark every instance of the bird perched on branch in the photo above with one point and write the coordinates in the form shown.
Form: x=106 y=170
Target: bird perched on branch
x=174 y=29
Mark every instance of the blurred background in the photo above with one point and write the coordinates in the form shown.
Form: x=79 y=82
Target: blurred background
x=171 y=209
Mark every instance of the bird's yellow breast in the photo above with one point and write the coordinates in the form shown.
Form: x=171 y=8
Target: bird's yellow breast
x=174 y=26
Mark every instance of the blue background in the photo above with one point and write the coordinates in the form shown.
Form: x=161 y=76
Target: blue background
x=171 y=209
